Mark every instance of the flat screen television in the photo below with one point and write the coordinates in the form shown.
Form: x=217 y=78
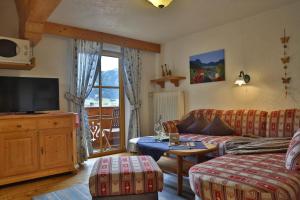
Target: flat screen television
x=24 y=94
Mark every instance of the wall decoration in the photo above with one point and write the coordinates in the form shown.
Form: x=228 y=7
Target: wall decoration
x=285 y=61
x=165 y=71
x=207 y=67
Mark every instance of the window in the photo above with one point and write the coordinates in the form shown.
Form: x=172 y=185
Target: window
x=101 y=105
x=108 y=91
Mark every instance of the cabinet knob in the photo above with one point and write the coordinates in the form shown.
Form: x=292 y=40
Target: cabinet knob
x=55 y=123
x=19 y=126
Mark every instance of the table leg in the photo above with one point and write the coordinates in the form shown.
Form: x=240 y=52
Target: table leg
x=179 y=174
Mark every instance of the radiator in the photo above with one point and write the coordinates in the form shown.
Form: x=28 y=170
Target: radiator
x=168 y=105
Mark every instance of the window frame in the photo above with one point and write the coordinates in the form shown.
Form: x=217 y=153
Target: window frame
x=121 y=104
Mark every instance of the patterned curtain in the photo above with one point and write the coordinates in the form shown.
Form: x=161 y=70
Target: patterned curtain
x=132 y=79
x=87 y=57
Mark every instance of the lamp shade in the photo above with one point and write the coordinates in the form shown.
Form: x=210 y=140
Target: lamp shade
x=243 y=79
x=160 y=3
x=240 y=82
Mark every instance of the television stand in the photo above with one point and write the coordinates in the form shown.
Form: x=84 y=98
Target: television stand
x=35 y=113
x=34 y=146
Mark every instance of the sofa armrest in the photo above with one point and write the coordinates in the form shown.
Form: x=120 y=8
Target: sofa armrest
x=170 y=126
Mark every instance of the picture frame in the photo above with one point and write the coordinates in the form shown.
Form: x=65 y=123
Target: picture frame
x=207 y=67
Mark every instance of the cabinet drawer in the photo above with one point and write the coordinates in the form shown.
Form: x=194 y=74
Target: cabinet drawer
x=17 y=125
x=55 y=123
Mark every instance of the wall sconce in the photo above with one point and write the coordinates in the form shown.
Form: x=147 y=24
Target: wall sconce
x=242 y=79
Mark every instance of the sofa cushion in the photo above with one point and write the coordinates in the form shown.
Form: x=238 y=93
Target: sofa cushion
x=185 y=123
x=218 y=128
x=292 y=161
x=125 y=175
x=255 y=177
x=170 y=126
x=255 y=123
x=283 y=123
x=247 y=122
x=244 y=122
x=209 y=114
x=197 y=126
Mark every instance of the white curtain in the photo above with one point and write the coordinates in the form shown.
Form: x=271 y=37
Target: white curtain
x=132 y=79
x=87 y=57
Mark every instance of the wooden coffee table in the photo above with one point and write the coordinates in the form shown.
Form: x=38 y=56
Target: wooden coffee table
x=179 y=166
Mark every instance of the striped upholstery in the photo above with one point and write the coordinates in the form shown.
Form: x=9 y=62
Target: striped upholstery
x=125 y=175
x=280 y=123
x=244 y=122
x=170 y=126
x=216 y=140
x=245 y=177
x=292 y=160
x=283 y=123
x=208 y=113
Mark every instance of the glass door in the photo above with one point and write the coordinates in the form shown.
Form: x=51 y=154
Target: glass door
x=105 y=108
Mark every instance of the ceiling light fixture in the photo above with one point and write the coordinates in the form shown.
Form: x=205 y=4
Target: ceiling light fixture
x=242 y=79
x=160 y=3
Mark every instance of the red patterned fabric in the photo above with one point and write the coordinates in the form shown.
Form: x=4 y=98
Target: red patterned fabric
x=125 y=175
x=254 y=122
x=238 y=123
x=170 y=126
x=292 y=160
x=229 y=117
x=247 y=122
x=216 y=140
x=245 y=177
x=244 y=122
x=283 y=123
x=208 y=113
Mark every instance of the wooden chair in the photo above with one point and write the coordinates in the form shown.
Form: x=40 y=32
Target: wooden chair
x=95 y=128
x=112 y=134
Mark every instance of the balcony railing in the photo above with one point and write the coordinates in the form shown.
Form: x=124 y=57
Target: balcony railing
x=104 y=128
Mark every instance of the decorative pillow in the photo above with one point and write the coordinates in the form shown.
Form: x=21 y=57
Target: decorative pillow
x=184 y=123
x=218 y=128
x=292 y=160
x=198 y=125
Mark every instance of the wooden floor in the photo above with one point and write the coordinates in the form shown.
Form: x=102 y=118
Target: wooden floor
x=26 y=190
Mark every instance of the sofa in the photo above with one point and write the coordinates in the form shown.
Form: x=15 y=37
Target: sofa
x=249 y=177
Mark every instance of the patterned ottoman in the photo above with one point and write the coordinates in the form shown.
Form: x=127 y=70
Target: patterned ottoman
x=137 y=177
x=245 y=177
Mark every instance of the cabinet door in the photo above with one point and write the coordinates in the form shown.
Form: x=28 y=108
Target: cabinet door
x=18 y=152
x=56 y=147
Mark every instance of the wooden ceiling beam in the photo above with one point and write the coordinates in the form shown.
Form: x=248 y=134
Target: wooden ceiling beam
x=32 y=16
x=85 y=34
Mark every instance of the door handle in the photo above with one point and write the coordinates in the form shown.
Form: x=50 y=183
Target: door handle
x=42 y=150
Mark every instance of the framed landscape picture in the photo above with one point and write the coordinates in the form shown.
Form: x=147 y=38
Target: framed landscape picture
x=207 y=67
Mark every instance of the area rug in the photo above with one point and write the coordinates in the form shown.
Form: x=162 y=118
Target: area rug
x=81 y=191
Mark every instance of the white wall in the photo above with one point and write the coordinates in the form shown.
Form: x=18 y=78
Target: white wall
x=54 y=55
x=252 y=45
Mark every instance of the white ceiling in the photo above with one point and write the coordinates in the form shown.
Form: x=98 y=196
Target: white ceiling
x=140 y=20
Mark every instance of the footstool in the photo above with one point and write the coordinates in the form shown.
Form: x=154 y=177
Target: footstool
x=125 y=177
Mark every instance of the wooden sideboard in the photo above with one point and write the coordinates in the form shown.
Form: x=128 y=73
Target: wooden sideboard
x=36 y=145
